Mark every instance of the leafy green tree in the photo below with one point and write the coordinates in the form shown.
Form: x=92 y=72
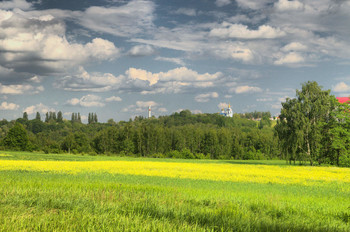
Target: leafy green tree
x=73 y=117
x=264 y=122
x=37 y=116
x=111 y=121
x=89 y=119
x=82 y=142
x=59 y=117
x=47 y=117
x=68 y=143
x=210 y=144
x=338 y=136
x=17 y=138
x=95 y=118
x=301 y=122
x=35 y=126
x=25 y=116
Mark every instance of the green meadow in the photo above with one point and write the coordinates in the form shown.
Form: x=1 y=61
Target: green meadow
x=97 y=201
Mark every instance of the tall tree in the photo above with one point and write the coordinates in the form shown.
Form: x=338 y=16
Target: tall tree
x=47 y=117
x=59 y=117
x=89 y=119
x=302 y=120
x=38 y=117
x=17 y=138
x=68 y=142
x=337 y=138
x=95 y=118
x=25 y=116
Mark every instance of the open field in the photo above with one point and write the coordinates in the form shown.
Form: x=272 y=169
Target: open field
x=85 y=193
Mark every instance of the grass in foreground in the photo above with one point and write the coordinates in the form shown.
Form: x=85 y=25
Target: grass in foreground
x=110 y=200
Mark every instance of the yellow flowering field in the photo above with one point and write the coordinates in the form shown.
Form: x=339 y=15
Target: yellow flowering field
x=203 y=171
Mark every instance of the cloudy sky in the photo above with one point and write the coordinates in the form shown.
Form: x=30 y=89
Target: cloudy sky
x=116 y=57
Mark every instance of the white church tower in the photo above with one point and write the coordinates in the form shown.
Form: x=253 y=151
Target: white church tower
x=229 y=112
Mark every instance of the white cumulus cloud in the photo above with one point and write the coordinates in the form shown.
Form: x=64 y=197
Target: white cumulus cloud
x=20 y=89
x=135 y=17
x=171 y=59
x=341 y=87
x=253 y=4
x=33 y=45
x=290 y=58
x=286 y=5
x=186 y=11
x=41 y=108
x=113 y=99
x=89 y=100
x=246 y=89
x=92 y=82
x=221 y=3
x=206 y=97
x=228 y=30
x=294 y=46
x=142 y=106
x=20 y=4
x=141 y=50
x=8 y=106
x=178 y=74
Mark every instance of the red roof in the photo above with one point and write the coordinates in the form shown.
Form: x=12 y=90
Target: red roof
x=343 y=99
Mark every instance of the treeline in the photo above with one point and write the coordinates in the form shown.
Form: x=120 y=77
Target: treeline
x=312 y=128
x=256 y=115
x=180 y=135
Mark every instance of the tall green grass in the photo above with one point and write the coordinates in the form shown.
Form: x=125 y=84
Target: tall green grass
x=45 y=201
x=15 y=155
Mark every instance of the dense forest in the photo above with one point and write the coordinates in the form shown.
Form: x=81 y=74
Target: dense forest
x=180 y=135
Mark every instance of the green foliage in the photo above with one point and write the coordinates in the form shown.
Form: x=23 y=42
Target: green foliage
x=181 y=135
x=256 y=115
x=25 y=116
x=314 y=127
x=76 y=118
x=92 y=118
x=264 y=122
x=37 y=116
x=59 y=117
x=17 y=138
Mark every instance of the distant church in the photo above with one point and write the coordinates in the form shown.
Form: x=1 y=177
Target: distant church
x=227 y=112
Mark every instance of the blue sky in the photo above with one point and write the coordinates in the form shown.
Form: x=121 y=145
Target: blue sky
x=117 y=57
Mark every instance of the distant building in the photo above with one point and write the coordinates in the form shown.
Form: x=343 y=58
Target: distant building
x=343 y=100
x=149 y=112
x=227 y=112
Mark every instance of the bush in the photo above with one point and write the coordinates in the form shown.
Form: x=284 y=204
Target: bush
x=253 y=155
x=201 y=156
x=174 y=154
x=17 y=138
x=158 y=155
x=187 y=154
x=344 y=160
